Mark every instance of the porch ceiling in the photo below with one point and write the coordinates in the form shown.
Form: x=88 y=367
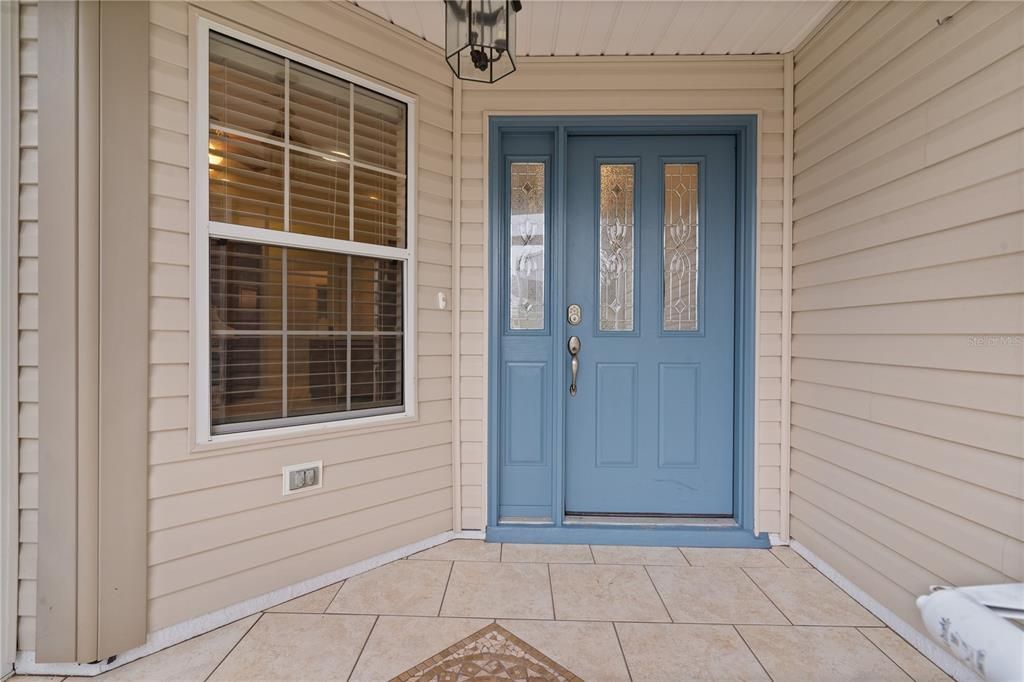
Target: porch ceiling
x=627 y=27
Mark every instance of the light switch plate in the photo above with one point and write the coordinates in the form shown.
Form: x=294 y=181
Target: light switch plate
x=298 y=478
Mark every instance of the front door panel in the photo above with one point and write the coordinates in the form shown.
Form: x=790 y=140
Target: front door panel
x=650 y=259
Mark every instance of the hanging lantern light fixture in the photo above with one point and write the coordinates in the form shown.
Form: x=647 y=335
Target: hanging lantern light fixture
x=480 y=38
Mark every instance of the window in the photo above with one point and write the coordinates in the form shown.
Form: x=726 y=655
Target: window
x=305 y=256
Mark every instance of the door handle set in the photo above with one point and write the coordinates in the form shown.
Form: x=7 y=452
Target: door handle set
x=574 y=353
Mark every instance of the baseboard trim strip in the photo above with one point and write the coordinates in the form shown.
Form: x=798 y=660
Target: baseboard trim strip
x=25 y=663
x=930 y=649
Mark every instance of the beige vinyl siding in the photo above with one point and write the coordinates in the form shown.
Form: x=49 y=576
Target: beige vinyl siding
x=633 y=85
x=28 y=327
x=908 y=302
x=220 y=531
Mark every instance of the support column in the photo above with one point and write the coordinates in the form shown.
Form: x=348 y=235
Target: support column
x=123 y=325
x=93 y=328
x=57 y=587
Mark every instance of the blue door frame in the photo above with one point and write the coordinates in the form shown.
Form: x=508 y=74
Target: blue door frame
x=559 y=129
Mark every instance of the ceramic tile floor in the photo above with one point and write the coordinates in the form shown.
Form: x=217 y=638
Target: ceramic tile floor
x=604 y=613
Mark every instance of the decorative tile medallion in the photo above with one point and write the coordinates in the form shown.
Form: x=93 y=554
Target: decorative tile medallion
x=491 y=653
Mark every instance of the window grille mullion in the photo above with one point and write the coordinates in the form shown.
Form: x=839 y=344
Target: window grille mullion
x=295 y=240
x=348 y=343
x=284 y=332
x=351 y=236
x=223 y=129
x=287 y=228
x=263 y=139
x=287 y=146
x=351 y=165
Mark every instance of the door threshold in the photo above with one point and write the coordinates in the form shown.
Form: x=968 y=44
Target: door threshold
x=525 y=520
x=649 y=521
x=676 y=534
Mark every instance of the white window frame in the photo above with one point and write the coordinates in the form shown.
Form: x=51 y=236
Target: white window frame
x=205 y=229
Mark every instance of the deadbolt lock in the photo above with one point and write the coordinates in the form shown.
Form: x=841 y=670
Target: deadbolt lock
x=574 y=314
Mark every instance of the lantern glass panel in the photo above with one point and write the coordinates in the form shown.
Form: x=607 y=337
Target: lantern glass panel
x=456 y=32
x=480 y=39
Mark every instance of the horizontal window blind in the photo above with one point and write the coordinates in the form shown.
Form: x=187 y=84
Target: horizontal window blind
x=246 y=182
x=299 y=334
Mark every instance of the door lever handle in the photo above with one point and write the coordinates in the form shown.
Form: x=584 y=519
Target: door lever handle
x=574 y=352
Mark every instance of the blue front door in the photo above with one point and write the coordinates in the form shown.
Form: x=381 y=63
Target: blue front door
x=650 y=260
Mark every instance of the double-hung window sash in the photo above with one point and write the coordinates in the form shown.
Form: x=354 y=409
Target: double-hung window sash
x=307 y=248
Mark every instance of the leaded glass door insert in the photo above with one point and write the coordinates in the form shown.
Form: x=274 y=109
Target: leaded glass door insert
x=527 y=222
x=681 y=238
x=616 y=247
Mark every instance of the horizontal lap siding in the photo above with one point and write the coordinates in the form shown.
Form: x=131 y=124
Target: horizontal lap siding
x=908 y=301
x=220 y=531
x=636 y=86
x=28 y=326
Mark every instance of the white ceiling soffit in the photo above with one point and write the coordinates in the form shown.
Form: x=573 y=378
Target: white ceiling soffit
x=633 y=27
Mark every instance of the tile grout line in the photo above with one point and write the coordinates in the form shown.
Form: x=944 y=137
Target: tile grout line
x=592 y=620
x=551 y=593
x=622 y=651
x=779 y=563
x=668 y=613
x=362 y=649
x=770 y=600
x=634 y=563
x=451 y=569
x=501 y=551
x=309 y=613
x=465 y=561
x=777 y=556
x=593 y=557
x=558 y=563
x=886 y=654
x=72 y=678
x=233 y=647
x=337 y=595
x=584 y=621
x=751 y=650
x=685 y=558
x=879 y=623
x=341 y=584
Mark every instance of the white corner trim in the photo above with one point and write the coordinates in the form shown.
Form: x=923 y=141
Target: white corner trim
x=10 y=172
x=776 y=540
x=785 y=394
x=756 y=331
x=928 y=647
x=456 y=304
x=175 y=634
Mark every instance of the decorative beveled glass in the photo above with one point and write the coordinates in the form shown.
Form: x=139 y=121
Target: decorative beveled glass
x=681 y=243
x=616 y=247
x=526 y=250
x=480 y=38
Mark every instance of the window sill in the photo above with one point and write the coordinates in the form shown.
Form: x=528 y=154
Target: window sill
x=302 y=433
